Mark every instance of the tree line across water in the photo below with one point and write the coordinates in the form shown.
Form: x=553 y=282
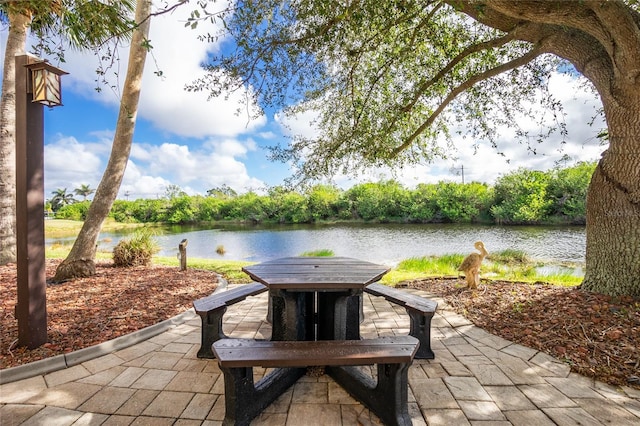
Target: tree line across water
x=556 y=196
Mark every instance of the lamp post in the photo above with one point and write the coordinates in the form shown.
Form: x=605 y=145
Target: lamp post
x=37 y=84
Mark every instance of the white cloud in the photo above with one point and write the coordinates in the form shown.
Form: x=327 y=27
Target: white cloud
x=69 y=164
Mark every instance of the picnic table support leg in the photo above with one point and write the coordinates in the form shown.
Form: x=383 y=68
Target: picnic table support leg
x=292 y=315
x=339 y=315
x=420 y=328
x=211 y=331
x=388 y=398
x=245 y=400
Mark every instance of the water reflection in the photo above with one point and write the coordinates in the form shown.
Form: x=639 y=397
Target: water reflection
x=384 y=243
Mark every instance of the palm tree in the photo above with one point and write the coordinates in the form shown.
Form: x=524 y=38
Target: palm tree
x=81 y=259
x=61 y=198
x=82 y=24
x=84 y=191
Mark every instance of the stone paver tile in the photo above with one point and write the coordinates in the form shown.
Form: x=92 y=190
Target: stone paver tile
x=117 y=420
x=186 y=381
x=165 y=338
x=218 y=386
x=136 y=351
x=280 y=405
x=318 y=414
x=446 y=417
x=53 y=416
x=571 y=416
x=310 y=392
x=633 y=405
x=464 y=350
x=199 y=406
x=154 y=379
x=107 y=400
x=105 y=377
x=67 y=375
x=91 y=419
x=168 y=404
x=179 y=348
x=15 y=414
x=546 y=396
x=416 y=414
x=474 y=360
x=432 y=394
x=195 y=365
x=68 y=395
x=434 y=370
x=217 y=412
x=481 y=410
x=528 y=418
x=135 y=405
x=509 y=398
x=152 y=421
x=270 y=419
x=489 y=375
x=520 y=351
x=546 y=361
x=607 y=412
x=187 y=422
x=573 y=387
x=415 y=372
x=128 y=377
x=163 y=360
x=518 y=371
x=466 y=388
x=22 y=390
x=453 y=339
x=455 y=368
x=337 y=395
x=102 y=363
x=359 y=415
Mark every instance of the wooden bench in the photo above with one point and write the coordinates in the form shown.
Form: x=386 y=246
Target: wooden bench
x=386 y=397
x=212 y=308
x=420 y=312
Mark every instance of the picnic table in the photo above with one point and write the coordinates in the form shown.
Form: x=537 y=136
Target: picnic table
x=316 y=298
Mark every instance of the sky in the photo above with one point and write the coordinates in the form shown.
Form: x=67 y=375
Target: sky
x=184 y=139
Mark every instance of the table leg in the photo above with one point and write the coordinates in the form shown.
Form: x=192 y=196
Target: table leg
x=339 y=315
x=292 y=315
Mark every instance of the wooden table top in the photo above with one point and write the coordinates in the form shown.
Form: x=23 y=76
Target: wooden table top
x=316 y=273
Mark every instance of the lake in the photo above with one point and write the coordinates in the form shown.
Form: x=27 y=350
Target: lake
x=382 y=243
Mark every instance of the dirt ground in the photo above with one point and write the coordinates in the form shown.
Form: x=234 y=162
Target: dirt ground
x=598 y=336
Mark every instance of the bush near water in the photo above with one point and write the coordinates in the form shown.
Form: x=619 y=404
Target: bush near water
x=557 y=196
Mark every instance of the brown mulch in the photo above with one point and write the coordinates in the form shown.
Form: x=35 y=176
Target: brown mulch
x=597 y=335
x=89 y=311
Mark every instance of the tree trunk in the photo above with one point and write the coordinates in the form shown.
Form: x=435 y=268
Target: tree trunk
x=613 y=207
x=16 y=42
x=81 y=260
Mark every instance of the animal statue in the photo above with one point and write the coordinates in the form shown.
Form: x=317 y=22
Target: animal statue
x=471 y=265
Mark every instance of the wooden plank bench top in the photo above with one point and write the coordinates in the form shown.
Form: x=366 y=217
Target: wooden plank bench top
x=228 y=297
x=402 y=298
x=233 y=353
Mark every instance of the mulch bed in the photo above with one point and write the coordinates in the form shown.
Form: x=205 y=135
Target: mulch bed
x=597 y=335
x=89 y=311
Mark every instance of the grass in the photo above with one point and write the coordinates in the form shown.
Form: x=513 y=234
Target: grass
x=318 y=253
x=60 y=228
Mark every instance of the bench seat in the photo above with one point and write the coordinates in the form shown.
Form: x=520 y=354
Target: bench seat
x=212 y=308
x=420 y=312
x=386 y=396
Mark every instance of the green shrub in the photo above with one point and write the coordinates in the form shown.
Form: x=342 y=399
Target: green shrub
x=136 y=250
x=75 y=211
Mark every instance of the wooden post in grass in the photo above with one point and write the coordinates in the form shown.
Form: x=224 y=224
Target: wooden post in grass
x=182 y=247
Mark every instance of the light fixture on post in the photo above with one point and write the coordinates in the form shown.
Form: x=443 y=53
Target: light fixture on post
x=37 y=84
x=45 y=85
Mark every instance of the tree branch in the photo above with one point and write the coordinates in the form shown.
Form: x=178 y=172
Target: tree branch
x=531 y=55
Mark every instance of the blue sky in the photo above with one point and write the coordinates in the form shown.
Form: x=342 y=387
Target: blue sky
x=183 y=139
